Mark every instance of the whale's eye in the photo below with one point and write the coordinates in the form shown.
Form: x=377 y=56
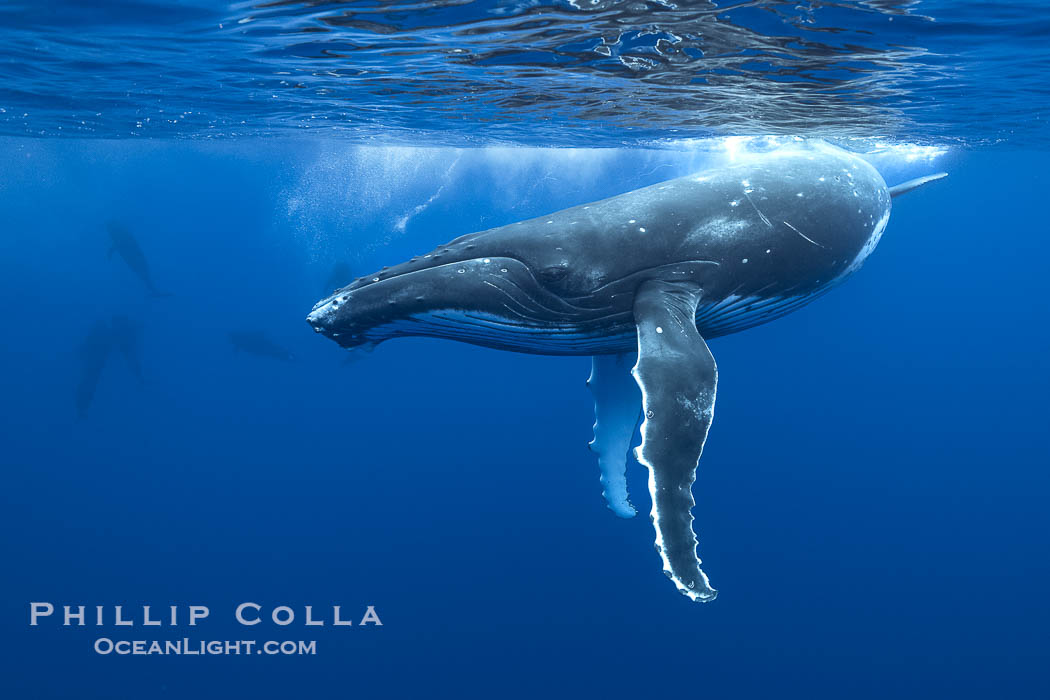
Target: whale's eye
x=553 y=274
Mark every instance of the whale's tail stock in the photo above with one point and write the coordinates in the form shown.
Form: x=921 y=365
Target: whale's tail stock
x=912 y=184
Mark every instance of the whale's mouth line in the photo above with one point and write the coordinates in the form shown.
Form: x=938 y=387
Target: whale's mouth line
x=613 y=333
x=526 y=285
x=546 y=301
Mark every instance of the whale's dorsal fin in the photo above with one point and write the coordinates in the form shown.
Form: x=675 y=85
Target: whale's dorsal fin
x=617 y=410
x=910 y=185
x=678 y=378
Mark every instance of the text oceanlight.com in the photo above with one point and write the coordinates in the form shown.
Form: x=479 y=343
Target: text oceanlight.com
x=248 y=614
x=188 y=647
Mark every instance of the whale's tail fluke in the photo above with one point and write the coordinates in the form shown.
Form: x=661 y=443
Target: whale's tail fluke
x=912 y=184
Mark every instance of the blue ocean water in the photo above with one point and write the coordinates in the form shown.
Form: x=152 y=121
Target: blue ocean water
x=871 y=502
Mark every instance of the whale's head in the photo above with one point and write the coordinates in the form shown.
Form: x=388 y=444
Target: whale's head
x=477 y=299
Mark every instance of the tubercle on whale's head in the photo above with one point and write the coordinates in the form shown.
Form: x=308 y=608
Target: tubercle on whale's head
x=461 y=249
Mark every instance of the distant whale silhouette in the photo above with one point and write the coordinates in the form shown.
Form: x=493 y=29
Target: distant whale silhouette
x=127 y=247
x=120 y=333
x=256 y=343
x=94 y=352
x=126 y=334
x=655 y=272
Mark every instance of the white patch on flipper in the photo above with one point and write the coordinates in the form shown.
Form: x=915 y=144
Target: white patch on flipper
x=691 y=593
x=616 y=412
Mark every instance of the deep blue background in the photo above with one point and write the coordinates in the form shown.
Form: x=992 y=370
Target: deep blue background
x=871 y=503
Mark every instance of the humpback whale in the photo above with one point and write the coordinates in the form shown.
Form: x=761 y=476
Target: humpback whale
x=125 y=334
x=640 y=282
x=124 y=244
x=122 y=334
x=94 y=351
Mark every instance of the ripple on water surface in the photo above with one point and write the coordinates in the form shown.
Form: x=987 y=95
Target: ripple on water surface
x=540 y=72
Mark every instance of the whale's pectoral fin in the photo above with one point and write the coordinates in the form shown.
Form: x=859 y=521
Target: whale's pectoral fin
x=678 y=379
x=617 y=408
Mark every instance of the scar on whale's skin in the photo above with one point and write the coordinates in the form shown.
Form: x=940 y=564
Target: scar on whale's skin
x=803 y=235
x=765 y=220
